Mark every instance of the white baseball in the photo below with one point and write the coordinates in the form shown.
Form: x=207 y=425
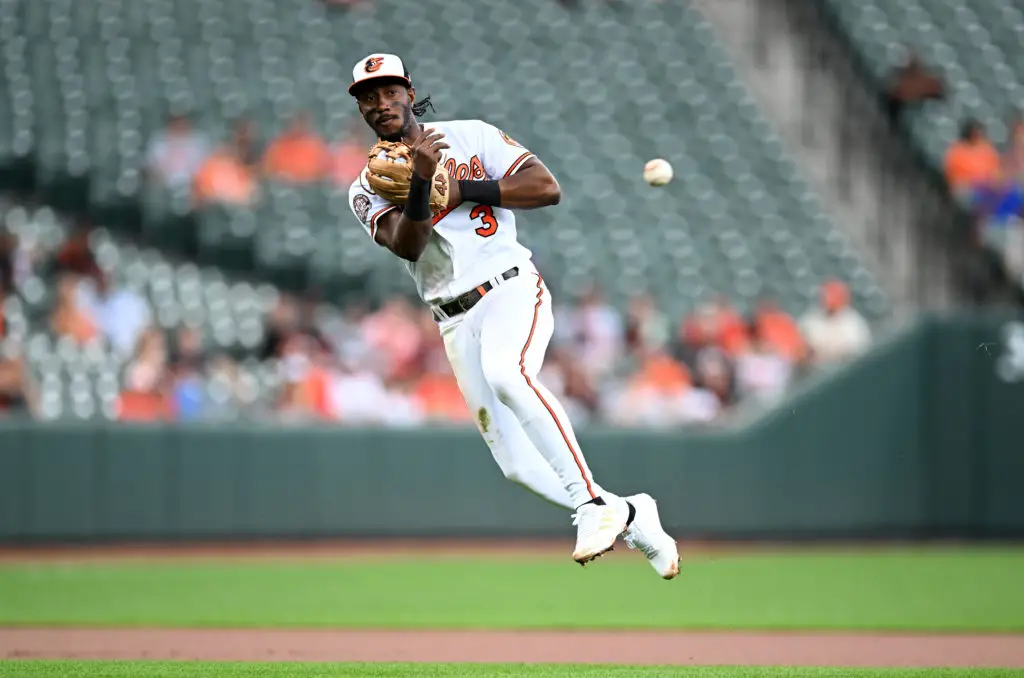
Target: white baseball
x=657 y=172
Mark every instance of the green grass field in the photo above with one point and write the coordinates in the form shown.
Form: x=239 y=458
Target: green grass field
x=228 y=670
x=926 y=590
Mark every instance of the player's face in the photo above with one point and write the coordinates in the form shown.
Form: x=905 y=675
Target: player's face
x=387 y=109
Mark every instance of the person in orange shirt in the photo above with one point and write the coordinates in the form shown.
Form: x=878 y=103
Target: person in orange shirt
x=305 y=394
x=224 y=179
x=298 y=155
x=780 y=332
x=971 y=162
x=663 y=375
x=439 y=396
x=715 y=323
x=347 y=155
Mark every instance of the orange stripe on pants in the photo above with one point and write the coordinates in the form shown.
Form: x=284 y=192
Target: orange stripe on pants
x=529 y=382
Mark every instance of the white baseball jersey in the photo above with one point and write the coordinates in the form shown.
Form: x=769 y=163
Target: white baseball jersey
x=471 y=243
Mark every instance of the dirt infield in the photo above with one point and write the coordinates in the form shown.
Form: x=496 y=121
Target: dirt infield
x=369 y=548
x=673 y=648
x=530 y=647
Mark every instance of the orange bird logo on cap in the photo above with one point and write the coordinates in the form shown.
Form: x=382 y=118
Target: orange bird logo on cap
x=373 y=64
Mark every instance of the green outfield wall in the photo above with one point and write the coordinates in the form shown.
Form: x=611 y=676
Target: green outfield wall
x=924 y=436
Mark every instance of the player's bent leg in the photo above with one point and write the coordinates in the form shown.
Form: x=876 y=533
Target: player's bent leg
x=520 y=461
x=514 y=333
x=511 y=448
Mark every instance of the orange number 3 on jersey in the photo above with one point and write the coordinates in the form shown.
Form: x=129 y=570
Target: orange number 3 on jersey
x=485 y=214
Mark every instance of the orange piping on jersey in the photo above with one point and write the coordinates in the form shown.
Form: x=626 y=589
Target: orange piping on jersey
x=519 y=161
x=373 y=220
x=529 y=382
x=481 y=290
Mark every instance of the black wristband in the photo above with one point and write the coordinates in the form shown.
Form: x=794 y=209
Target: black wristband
x=417 y=207
x=480 y=192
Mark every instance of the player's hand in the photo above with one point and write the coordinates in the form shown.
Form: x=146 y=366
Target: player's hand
x=426 y=153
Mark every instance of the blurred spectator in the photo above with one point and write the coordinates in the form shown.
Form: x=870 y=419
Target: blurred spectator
x=176 y=153
x=120 y=313
x=432 y=351
x=306 y=394
x=647 y=328
x=227 y=393
x=15 y=391
x=298 y=154
x=69 y=318
x=714 y=325
x=188 y=392
x=187 y=366
x=762 y=373
x=779 y=332
x=18 y=257
x=595 y=331
x=910 y=85
x=8 y=249
x=145 y=396
x=715 y=373
x=344 y=332
x=971 y=162
x=835 y=331
x=243 y=141
x=438 y=396
x=661 y=393
x=730 y=329
x=282 y=322
x=75 y=254
x=357 y=394
x=394 y=339
x=224 y=179
x=999 y=208
x=347 y=155
x=189 y=349
x=308 y=323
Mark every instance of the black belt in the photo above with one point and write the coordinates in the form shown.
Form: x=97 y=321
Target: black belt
x=464 y=302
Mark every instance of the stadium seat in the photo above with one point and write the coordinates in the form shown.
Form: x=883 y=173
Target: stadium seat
x=594 y=91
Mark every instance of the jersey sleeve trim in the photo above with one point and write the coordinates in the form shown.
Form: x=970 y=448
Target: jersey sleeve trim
x=377 y=215
x=517 y=164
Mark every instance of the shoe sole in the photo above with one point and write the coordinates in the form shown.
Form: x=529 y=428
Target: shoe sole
x=673 y=571
x=593 y=556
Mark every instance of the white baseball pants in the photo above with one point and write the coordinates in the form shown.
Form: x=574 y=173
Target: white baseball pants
x=496 y=350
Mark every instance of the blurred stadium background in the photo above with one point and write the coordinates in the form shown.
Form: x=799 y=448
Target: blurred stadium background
x=815 y=328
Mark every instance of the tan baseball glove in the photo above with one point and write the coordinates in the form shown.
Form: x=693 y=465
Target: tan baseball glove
x=389 y=171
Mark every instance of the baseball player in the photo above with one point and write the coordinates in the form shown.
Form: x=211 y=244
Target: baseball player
x=442 y=198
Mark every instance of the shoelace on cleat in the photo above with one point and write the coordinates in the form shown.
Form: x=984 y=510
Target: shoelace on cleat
x=647 y=549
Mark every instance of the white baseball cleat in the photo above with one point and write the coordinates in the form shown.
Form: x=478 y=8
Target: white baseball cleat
x=598 y=526
x=645 y=534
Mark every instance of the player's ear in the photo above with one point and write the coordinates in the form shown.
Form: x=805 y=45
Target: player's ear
x=412 y=95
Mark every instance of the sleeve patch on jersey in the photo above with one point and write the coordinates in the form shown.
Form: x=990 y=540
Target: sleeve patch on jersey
x=361 y=206
x=510 y=141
